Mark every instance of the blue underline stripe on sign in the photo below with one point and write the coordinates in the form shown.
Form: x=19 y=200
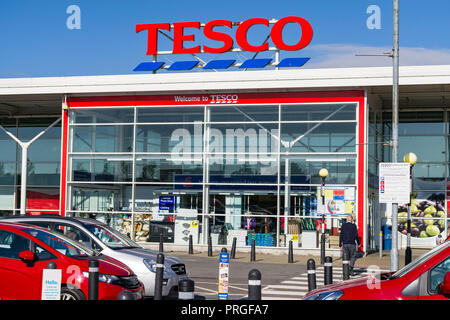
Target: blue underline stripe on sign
x=149 y=66
x=255 y=63
x=293 y=62
x=222 y=64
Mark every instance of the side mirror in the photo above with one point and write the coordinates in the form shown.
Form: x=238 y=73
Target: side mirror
x=445 y=285
x=27 y=256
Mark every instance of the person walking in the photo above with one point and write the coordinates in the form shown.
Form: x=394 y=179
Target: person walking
x=349 y=241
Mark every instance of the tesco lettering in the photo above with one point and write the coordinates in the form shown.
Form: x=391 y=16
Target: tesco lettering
x=180 y=36
x=224 y=98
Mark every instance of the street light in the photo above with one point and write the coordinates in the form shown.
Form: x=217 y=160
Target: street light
x=323 y=173
x=410 y=158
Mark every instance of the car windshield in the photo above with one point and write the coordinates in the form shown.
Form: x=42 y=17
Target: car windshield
x=60 y=243
x=111 y=238
x=420 y=260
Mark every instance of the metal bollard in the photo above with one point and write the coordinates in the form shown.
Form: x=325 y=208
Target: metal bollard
x=328 y=270
x=159 y=276
x=51 y=265
x=381 y=243
x=191 y=247
x=233 y=248
x=186 y=289
x=254 y=285
x=311 y=266
x=253 y=251
x=125 y=295
x=322 y=248
x=209 y=246
x=93 y=280
x=161 y=242
x=345 y=266
x=291 y=253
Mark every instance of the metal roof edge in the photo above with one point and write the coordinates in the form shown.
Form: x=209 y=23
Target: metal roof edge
x=230 y=80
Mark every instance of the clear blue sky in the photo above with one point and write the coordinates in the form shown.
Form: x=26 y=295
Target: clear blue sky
x=35 y=40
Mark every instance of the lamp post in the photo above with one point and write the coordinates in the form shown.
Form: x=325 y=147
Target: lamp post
x=410 y=158
x=323 y=173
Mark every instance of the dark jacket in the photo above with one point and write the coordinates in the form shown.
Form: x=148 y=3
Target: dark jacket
x=349 y=234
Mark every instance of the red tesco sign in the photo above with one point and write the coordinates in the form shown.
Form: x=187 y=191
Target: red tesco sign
x=180 y=37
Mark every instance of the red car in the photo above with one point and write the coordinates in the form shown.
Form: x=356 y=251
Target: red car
x=426 y=278
x=26 y=250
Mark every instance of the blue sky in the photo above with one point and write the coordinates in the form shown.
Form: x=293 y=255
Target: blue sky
x=36 y=41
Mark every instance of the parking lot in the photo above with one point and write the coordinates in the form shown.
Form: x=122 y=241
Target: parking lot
x=280 y=280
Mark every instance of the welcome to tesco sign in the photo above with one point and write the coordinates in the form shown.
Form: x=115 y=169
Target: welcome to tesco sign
x=180 y=35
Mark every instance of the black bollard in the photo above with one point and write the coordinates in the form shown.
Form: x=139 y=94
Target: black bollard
x=51 y=265
x=254 y=285
x=93 y=280
x=311 y=266
x=253 y=251
x=161 y=242
x=125 y=295
x=328 y=270
x=291 y=253
x=233 y=248
x=209 y=246
x=322 y=248
x=186 y=289
x=408 y=255
x=345 y=266
x=191 y=247
x=159 y=276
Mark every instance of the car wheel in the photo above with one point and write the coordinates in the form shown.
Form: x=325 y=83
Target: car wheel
x=72 y=294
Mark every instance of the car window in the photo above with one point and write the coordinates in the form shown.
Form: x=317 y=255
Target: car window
x=12 y=244
x=437 y=275
x=39 y=224
x=60 y=243
x=73 y=233
x=42 y=254
x=110 y=237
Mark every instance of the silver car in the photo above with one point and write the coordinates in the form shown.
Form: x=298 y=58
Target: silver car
x=112 y=243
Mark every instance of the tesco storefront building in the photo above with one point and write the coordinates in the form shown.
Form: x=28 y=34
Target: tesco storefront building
x=227 y=154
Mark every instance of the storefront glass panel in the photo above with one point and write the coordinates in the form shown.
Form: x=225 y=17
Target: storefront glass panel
x=244 y=113
x=165 y=168
x=318 y=137
x=181 y=139
x=102 y=115
x=103 y=138
x=160 y=184
x=170 y=114
x=318 y=112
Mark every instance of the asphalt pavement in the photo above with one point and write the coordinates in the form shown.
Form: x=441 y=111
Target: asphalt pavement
x=280 y=279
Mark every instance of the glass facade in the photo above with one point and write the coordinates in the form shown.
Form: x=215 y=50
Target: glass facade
x=425 y=133
x=224 y=169
x=43 y=168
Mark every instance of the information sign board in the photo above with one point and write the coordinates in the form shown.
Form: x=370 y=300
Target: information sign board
x=394 y=182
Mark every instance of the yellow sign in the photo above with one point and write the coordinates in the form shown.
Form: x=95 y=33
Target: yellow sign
x=349 y=206
x=194 y=224
x=295 y=237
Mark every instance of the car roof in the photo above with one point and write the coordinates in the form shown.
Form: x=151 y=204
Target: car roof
x=52 y=217
x=18 y=226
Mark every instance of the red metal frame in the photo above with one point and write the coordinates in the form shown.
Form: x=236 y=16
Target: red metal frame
x=357 y=96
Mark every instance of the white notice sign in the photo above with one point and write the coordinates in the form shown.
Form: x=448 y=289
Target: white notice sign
x=51 y=284
x=394 y=183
